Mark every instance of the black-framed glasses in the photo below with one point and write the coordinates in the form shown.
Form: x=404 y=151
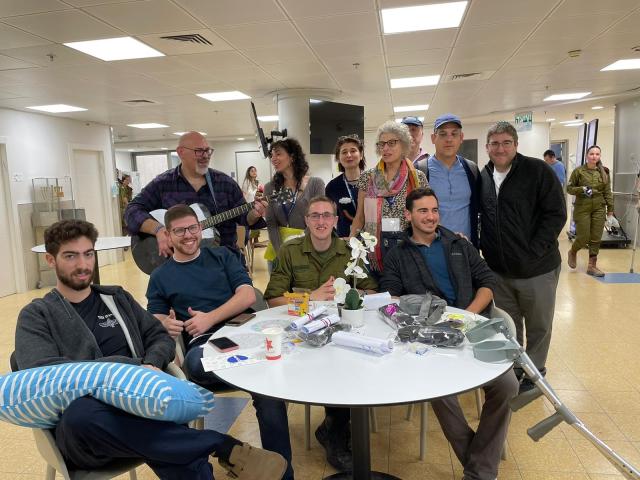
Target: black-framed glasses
x=317 y=216
x=201 y=152
x=180 y=231
x=505 y=144
x=392 y=143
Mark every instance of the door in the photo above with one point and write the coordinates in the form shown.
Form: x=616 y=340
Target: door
x=90 y=192
x=247 y=159
x=7 y=280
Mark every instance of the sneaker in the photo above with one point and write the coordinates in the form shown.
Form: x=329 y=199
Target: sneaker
x=252 y=463
x=337 y=456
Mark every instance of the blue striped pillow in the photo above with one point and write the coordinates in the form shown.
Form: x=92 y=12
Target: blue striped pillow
x=38 y=396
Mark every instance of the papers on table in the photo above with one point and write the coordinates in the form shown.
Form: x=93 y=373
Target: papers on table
x=319 y=323
x=377 y=300
x=299 y=322
x=221 y=362
x=362 y=342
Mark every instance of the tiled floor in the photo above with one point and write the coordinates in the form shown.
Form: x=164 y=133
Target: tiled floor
x=593 y=365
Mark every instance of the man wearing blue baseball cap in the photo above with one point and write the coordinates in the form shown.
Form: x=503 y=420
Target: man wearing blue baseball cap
x=453 y=178
x=417 y=131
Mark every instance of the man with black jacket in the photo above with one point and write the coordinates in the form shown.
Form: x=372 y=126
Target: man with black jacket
x=433 y=258
x=522 y=213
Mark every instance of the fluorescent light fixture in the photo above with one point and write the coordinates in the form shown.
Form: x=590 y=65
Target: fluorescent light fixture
x=313 y=100
x=566 y=96
x=399 y=120
x=164 y=148
x=550 y=120
x=628 y=64
x=571 y=121
x=597 y=107
x=574 y=124
x=410 y=108
x=58 y=108
x=240 y=139
x=147 y=125
x=204 y=134
x=415 y=81
x=223 y=96
x=422 y=17
x=120 y=48
x=268 y=118
x=131 y=150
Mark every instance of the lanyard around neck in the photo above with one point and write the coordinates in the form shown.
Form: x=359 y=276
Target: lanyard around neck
x=346 y=184
x=210 y=185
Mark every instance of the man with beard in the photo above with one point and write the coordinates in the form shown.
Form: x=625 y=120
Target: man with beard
x=193 y=294
x=191 y=182
x=80 y=322
x=433 y=258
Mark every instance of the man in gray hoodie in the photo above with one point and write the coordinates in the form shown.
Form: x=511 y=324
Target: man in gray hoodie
x=77 y=322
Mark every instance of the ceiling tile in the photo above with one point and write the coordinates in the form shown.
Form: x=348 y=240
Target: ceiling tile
x=345 y=27
x=8 y=63
x=573 y=28
x=11 y=37
x=308 y=67
x=260 y=35
x=89 y=3
x=286 y=53
x=232 y=12
x=507 y=11
x=436 y=56
x=144 y=17
x=312 y=8
x=570 y=8
x=10 y=8
x=172 y=46
x=628 y=25
x=413 y=71
x=216 y=61
x=64 y=26
x=366 y=46
x=405 y=42
x=472 y=35
x=366 y=65
x=42 y=55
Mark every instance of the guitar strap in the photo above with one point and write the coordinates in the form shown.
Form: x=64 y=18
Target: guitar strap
x=210 y=185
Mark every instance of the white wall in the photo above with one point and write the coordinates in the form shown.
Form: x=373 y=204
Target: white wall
x=40 y=146
x=123 y=161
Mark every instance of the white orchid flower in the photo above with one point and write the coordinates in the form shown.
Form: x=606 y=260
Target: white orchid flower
x=370 y=241
x=341 y=287
x=358 y=272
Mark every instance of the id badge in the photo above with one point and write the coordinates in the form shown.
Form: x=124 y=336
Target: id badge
x=390 y=224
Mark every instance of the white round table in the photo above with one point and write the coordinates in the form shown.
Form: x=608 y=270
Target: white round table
x=342 y=377
x=102 y=243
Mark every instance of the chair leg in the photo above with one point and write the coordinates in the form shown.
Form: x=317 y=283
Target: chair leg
x=423 y=429
x=50 y=473
x=409 y=412
x=374 y=420
x=307 y=427
x=133 y=475
x=479 y=401
x=503 y=456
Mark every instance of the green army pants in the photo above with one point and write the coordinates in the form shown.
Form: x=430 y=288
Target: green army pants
x=589 y=215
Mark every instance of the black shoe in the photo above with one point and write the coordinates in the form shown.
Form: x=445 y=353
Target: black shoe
x=337 y=456
x=526 y=384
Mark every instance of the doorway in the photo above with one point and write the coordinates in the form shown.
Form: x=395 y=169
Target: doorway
x=246 y=159
x=559 y=147
x=7 y=277
x=89 y=185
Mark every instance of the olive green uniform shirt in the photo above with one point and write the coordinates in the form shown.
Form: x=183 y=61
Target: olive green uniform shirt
x=299 y=266
x=588 y=177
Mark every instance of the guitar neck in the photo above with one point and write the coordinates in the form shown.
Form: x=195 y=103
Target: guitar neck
x=224 y=216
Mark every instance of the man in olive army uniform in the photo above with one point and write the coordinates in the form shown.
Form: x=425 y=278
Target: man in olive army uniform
x=313 y=262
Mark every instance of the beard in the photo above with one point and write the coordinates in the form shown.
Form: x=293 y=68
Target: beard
x=71 y=282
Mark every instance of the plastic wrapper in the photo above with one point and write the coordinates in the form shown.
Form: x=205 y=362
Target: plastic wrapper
x=322 y=337
x=427 y=308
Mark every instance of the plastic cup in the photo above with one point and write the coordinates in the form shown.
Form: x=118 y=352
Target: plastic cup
x=273 y=342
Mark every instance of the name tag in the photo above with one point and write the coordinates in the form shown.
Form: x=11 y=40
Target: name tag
x=390 y=224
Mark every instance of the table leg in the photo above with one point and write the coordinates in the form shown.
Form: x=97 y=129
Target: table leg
x=96 y=270
x=361 y=450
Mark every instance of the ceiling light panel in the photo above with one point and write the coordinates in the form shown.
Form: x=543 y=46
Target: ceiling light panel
x=204 y=134
x=268 y=118
x=628 y=64
x=422 y=17
x=597 y=107
x=566 y=96
x=410 y=108
x=110 y=49
x=408 y=82
x=147 y=125
x=224 y=96
x=58 y=108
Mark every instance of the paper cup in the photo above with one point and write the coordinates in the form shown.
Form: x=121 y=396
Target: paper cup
x=273 y=342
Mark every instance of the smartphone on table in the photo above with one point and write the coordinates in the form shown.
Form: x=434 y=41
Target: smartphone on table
x=223 y=344
x=240 y=319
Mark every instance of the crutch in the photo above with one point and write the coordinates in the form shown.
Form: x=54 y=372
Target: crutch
x=511 y=350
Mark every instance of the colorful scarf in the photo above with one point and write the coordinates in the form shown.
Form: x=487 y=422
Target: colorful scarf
x=379 y=189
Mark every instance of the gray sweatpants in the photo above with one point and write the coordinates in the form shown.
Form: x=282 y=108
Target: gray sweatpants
x=531 y=303
x=479 y=452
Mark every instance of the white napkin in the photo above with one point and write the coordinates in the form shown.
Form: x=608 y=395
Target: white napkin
x=370 y=344
x=376 y=300
x=316 y=312
x=320 y=323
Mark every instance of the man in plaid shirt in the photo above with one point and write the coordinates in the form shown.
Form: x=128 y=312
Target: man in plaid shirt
x=187 y=184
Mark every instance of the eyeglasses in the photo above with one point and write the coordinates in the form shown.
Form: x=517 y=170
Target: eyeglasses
x=201 y=152
x=317 y=216
x=505 y=144
x=180 y=231
x=391 y=143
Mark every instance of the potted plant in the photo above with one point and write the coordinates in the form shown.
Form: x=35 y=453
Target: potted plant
x=352 y=308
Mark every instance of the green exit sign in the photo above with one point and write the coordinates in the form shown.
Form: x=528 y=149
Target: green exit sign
x=524 y=121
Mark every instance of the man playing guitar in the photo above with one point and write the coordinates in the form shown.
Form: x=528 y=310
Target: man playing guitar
x=190 y=182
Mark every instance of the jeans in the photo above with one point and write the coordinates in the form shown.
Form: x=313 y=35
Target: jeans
x=271 y=414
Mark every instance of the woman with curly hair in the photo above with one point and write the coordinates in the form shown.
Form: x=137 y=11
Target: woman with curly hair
x=250 y=184
x=291 y=167
x=342 y=189
x=383 y=190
